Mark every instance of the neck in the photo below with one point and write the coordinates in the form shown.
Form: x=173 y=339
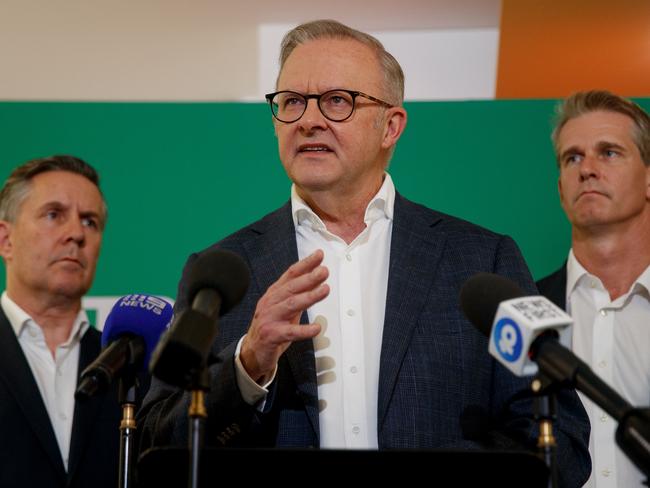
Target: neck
x=55 y=315
x=342 y=214
x=617 y=255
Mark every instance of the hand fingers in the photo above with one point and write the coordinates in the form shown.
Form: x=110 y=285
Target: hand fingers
x=302 y=267
x=292 y=306
x=301 y=277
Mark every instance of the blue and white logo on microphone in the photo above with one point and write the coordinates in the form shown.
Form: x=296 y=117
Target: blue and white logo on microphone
x=507 y=339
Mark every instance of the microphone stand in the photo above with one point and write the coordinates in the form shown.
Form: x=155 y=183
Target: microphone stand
x=545 y=414
x=126 y=398
x=197 y=413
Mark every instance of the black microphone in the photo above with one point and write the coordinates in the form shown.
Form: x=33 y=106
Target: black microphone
x=521 y=328
x=217 y=281
x=130 y=333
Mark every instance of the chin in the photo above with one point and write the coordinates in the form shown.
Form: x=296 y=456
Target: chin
x=70 y=289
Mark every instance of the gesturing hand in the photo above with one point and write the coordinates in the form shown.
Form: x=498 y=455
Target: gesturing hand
x=276 y=323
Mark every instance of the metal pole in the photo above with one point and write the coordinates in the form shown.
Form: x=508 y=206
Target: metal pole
x=545 y=408
x=197 y=414
x=127 y=439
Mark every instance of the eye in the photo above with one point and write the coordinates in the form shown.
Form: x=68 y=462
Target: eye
x=572 y=159
x=337 y=99
x=89 y=222
x=51 y=214
x=291 y=100
x=611 y=153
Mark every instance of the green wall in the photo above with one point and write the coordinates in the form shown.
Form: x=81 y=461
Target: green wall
x=180 y=176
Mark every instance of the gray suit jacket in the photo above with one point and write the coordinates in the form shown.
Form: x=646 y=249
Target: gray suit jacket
x=433 y=364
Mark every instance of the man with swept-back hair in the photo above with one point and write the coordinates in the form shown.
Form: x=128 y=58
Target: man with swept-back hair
x=52 y=217
x=602 y=146
x=351 y=334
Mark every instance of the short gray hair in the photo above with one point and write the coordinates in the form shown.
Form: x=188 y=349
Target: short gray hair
x=17 y=187
x=331 y=29
x=582 y=103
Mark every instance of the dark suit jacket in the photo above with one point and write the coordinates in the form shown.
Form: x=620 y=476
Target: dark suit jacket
x=433 y=362
x=553 y=287
x=29 y=453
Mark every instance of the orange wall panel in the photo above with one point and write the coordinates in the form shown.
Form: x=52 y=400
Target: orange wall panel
x=551 y=48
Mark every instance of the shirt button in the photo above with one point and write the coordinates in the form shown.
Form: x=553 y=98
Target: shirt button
x=356 y=429
x=348 y=257
x=31 y=332
x=602 y=364
x=353 y=369
x=592 y=283
x=603 y=312
x=350 y=312
x=605 y=472
x=62 y=416
x=603 y=418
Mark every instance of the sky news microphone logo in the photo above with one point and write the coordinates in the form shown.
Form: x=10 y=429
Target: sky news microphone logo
x=147 y=302
x=508 y=339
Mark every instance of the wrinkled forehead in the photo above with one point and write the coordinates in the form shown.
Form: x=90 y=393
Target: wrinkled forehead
x=597 y=126
x=66 y=189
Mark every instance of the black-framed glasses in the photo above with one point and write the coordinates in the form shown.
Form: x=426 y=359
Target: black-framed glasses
x=336 y=105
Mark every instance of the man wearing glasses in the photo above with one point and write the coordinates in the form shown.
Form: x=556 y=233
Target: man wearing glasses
x=351 y=335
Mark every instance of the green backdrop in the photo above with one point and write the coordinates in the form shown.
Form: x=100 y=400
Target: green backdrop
x=180 y=176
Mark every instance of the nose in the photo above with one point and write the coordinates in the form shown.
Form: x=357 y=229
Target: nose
x=589 y=167
x=76 y=231
x=312 y=118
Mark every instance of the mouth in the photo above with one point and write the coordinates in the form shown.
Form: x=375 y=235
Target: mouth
x=314 y=148
x=588 y=193
x=69 y=260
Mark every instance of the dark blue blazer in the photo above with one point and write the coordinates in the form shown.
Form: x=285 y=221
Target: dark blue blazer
x=29 y=453
x=553 y=287
x=433 y=364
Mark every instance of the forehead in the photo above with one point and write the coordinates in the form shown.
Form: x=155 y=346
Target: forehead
x=595 y=127
x=324 y=64
x=63 y=187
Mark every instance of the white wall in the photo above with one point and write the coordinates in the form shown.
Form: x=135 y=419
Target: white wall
x=222 y=50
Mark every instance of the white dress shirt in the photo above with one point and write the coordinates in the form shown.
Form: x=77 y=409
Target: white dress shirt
x=613 y=337
x=56 y=376
x=348 y=348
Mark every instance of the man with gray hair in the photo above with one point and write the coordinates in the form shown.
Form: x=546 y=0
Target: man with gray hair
x=52 y=217
x=602 y=146
x=351 y=334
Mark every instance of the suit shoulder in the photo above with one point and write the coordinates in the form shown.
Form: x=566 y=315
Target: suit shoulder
x=452 y=225
x=280 y=217
x=552 y=281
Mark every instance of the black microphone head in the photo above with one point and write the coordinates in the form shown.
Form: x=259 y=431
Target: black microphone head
x=481 y=295
x=223 y=271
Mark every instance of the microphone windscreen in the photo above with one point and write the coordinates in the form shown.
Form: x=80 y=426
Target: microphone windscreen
x=481 y=295
x=144 y=316
x=220 y=270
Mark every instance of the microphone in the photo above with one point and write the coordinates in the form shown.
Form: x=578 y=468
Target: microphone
x=519 y=321
x=130 y=334
x=217 y=281
x=526 y=328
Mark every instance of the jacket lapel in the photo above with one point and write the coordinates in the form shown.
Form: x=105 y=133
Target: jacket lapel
x=414 y=255
x=270 y=255
x=19 y=380
x=85 y=411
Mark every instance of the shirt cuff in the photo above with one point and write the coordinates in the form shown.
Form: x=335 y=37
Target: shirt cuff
x=251 y=392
